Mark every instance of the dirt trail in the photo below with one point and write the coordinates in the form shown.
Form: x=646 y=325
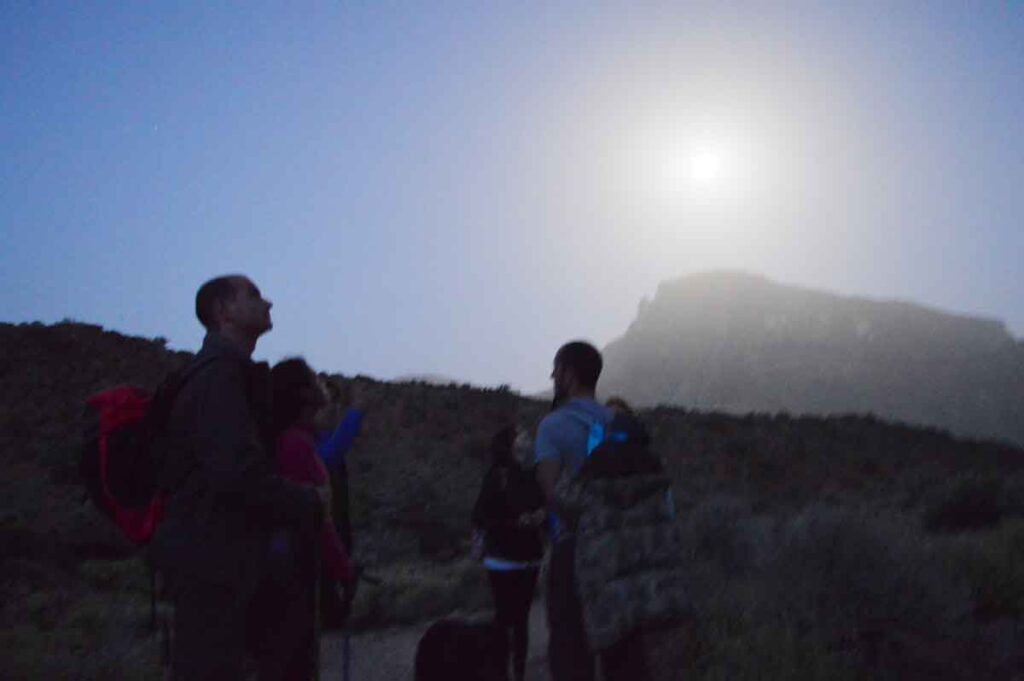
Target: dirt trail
x=388 y=654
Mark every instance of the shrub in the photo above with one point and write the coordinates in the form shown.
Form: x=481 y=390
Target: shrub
x=723 y=531
x=868 y=586
x=1011 y=496
x=778 y=653
x=991 y=564
x=967 y=502
x=827 y=593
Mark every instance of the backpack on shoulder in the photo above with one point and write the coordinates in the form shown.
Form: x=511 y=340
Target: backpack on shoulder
x=619 y=448
x=616 y=451
x=628 y=547
x=122 y=453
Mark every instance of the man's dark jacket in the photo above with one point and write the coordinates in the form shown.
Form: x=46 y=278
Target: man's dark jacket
x=225 y=495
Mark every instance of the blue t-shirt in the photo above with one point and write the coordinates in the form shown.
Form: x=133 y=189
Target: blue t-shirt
x=563 y=434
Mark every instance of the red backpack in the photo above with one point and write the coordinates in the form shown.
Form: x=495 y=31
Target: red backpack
x=122 y=452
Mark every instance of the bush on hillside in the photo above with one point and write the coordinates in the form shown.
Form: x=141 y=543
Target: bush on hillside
x=991 y=564
x=723 y=532
x=842 y=594
x=868 y=584
x=967 y=502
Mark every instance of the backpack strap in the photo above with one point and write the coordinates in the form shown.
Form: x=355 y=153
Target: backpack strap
x=595 y=437
x=597 y=431
x=163 y=404
x=600 y=432
x=180 y=378
x=167 y=392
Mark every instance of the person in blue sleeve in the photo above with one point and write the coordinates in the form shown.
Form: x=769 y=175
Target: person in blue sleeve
x=334 y=445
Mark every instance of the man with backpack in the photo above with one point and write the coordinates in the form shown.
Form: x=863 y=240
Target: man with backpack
x=224 y=497
x=615 y=559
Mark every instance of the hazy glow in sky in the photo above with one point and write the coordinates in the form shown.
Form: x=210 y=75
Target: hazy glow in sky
x=456 y=189
x=705 y=166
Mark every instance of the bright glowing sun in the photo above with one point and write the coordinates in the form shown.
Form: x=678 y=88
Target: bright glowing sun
x=705 y=166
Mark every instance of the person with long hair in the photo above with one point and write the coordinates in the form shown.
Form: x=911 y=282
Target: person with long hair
x=508 y=513
x=289 y=597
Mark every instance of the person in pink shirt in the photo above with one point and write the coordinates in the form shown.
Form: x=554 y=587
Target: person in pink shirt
x=289 y=642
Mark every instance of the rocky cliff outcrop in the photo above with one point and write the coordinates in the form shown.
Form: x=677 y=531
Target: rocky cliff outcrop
x=740 y=343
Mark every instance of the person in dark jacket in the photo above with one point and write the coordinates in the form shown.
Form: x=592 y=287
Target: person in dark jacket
x=224 y=494
x=508 y=513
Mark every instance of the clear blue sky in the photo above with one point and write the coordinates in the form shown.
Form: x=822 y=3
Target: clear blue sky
x=456 y=188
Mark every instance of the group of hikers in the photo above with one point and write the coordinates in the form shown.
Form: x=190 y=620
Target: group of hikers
x=592 y=489
x=255 y=544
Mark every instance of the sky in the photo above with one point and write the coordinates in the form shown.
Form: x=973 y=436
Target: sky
x=456 y=189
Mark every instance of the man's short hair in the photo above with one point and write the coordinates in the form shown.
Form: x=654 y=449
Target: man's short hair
x=211 y=293
x=583 y=359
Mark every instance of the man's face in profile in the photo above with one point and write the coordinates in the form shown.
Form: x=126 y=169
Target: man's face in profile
x=559 y=376
x=247 y=310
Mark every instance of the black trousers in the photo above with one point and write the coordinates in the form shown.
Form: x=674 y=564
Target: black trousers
x=569 y=654
x=289 y=648
x=513 y=596
x=283 y=619
x=209 y=633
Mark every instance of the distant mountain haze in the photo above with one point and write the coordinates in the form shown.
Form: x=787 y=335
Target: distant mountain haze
x=739 y=343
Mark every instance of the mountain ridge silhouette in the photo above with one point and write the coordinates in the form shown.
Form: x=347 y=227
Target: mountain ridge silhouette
x=739 y=342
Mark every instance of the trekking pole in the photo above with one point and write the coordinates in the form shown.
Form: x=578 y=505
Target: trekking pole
x=346 y=632
x=316 y=611
x=152 y=599
x=346 y=652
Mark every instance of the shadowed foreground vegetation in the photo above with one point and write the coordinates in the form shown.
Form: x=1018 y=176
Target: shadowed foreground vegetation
x=819 y=548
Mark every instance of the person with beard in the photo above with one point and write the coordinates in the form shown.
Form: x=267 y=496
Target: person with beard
x=576 y=426
x=561 y=449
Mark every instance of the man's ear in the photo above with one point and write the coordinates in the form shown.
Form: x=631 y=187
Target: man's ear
x=220 y=307
x=218 y=313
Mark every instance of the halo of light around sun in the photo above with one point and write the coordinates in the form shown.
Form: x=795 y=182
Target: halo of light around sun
x=705 y=166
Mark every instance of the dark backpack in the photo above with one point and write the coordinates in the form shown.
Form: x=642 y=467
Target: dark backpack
x=628 y=550
x=122 y=454
x=461 y=650
x=619 y=448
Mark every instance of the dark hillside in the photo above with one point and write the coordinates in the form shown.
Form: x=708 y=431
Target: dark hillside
x=46 y=372
x=755 y=491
